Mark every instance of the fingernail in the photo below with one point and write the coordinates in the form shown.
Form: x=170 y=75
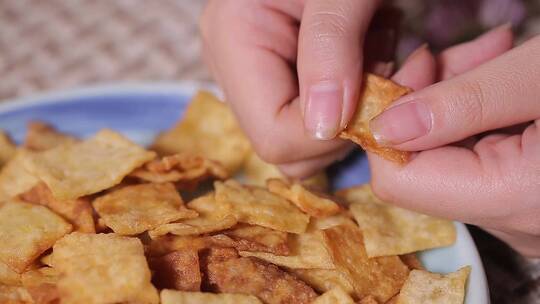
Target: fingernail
x=401 y=123
x=322 y=113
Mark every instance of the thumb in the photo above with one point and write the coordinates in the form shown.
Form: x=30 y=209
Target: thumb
x=500 y=93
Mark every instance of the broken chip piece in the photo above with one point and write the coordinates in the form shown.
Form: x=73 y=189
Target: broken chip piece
x=377 y=94
x=169 y=296
x=42 y=136
x=333 y=296
x=7 y=148
x=423 y=287
x=177 y=270
x=390 y=230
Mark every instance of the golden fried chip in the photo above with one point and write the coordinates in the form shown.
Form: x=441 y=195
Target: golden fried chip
x=78 y=212
x=258 y=278
x=7 y=148
x=257 y=206
x=377 y=94
x=412 y=261
x=208 y=128
x=390 y=230
x=134 y=209
x=380 y=277
x=184 y=297
x=102 y=268
x=334 y=296
x=42 y=136
x=371 y=300
x=257 y=238
x=184 y=169
x=74 y=170
x=14 y=179
x=8 y=276
x=433 y=288
x=14 y=295
x=324 y=280
x=26 y=231
x=307 y=250
x=316 y=205
x=257 y=172
x=322 y=223
x=177 y=270
x=161 y=246
x=47 y=260
x=41 y=284
x=195 y=226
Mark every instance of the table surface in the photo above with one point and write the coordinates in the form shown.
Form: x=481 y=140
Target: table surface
x=56 y=44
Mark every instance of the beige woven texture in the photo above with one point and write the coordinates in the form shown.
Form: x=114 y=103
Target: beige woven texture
x=57 y=44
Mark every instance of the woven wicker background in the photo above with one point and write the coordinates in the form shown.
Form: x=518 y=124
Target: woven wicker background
x=57 y=44
x=54 y=44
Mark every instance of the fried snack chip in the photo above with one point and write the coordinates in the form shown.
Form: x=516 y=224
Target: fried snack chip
x=208 y=128
x=195 y=226
x=184 y=297
x=26 y=231
x=41 y=284
x=257 y=172
x=433 y=288
x=14 y=295
x=412 y=261
x=336 y=295
x=307 y=251
x=377 y=94
x=184 y=169
x=91 y=266
x=371 y=300
x=8 y=276
x=74 y=170
x=7 y=148
x=14 y=179
x=78 y=212
x=161 y=246
x=324 y=280
x=257 y=206
x=316 y=205
x=330 y=221
x=258 y=278
x=134 y=209
x=46 y=260
x=257 y=238
x=380 y=277
x=177 y=270
x=41 y=136
x=390 y=230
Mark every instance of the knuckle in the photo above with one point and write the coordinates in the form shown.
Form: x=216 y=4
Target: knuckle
x=326 y=27
x=472 y=103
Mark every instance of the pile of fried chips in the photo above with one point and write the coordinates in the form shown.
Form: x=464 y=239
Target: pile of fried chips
x=103 y=220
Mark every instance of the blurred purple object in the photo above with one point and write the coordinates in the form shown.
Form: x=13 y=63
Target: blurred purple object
x=406 y=45
x=496 y=12
x=447 y=20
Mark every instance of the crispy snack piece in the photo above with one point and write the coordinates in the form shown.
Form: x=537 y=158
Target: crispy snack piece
x=177 y=270
x=14 y=179
x=343 y=218
x=14 y=295
x=256 y=238
x=433 y=288
x=208 y=128
x=26 y=231
x=98 y=163
x=184 y=169
x=323 y=280
x=161 y=246
x=377 y=94
x=390 y=230
x=307 y=250
x=412 y=261
x=314 y=204
x=257 y=206
x=41 y=285
x=336 y=295
x=380 y=277
x=255 y=277
x=134 y=209
x=102 y=268
x=9 y=276
x=41 y=136
x=78 y=212
x=184 y=297
x=7 y=148
x=257 y=172
x=371 y=300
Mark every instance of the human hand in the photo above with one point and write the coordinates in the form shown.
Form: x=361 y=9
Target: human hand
x=478 y=131
x=291 y=72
